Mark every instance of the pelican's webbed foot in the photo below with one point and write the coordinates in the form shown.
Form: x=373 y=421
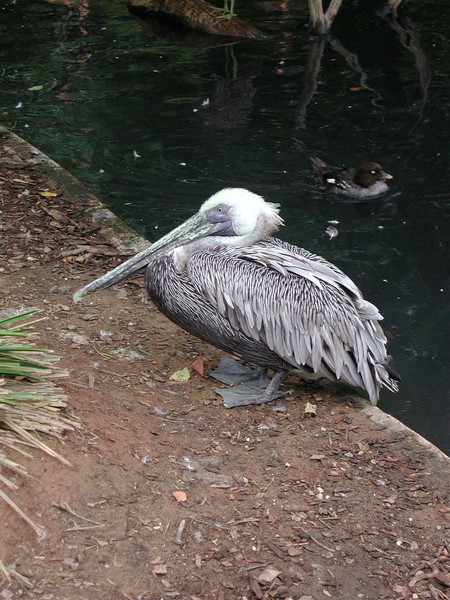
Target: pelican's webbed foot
x=254 y=387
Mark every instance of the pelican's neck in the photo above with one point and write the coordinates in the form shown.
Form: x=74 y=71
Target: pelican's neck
x=181 y=255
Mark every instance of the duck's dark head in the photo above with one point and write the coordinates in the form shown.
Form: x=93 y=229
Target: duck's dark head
x=369 y=173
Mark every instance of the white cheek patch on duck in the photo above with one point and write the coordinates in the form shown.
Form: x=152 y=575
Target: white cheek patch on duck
x=331 y=180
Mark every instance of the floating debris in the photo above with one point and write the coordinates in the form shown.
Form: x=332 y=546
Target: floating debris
x=332 y=231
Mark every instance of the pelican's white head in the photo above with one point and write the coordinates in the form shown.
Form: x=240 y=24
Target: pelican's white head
x=232 y=217
x=244 y=212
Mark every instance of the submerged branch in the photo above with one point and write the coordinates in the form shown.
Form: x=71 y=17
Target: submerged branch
x=195 y=14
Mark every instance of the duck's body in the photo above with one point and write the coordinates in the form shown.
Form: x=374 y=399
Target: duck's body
x=270 y=302
x=366 y=181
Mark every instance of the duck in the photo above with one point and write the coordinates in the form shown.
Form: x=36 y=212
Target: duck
x=366 y=181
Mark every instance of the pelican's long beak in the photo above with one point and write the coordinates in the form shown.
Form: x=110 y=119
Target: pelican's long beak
x=192 y=229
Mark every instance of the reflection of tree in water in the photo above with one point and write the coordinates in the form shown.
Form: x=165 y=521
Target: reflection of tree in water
x=310 y=83
x=232 y=98
x=230 y=103
x=312 y=70
x=409 y=39
x=78 y=10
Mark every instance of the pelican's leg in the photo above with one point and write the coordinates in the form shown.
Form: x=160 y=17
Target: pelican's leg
x=271 y=391
x=259 y=373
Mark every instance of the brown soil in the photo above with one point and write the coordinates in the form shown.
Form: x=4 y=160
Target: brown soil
x=277 y=504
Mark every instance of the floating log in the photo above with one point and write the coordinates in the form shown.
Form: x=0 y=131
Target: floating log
x=197 y=15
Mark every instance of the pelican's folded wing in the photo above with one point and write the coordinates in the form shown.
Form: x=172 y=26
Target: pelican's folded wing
x=302 y=307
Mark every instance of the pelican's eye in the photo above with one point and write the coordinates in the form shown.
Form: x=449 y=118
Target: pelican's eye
x=218 y=214
x=220 y=211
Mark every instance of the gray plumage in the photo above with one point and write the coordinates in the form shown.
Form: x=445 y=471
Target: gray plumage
x=270 y=302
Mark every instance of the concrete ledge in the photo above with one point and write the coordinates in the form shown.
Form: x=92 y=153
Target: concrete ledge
x=127 y=240
x=433 y=456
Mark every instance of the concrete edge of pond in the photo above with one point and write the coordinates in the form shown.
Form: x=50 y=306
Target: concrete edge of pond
x=127 y=240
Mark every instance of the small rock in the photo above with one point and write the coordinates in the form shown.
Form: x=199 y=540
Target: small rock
x=80 y=340
x=122 y=294
x=160 y=570
x=333 y=473
x=89 y=317
x=64 y=307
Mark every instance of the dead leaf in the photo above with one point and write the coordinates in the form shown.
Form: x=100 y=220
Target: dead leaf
x=310 y=409
x=48 y=194
x=401 y=589
x=268 y=575
x=254 y=586
x=156 y=561
x=179 y=496
x=356 y=88
x=198 y=365
x=157 y=377
x=80 y=340
x=56 y=214
x=24 y=181
x=181 y=375
x=317 y=457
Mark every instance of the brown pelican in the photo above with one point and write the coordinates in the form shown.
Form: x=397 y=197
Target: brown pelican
x=222 y=277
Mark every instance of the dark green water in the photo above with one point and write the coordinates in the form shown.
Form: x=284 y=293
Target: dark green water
x=154 y=126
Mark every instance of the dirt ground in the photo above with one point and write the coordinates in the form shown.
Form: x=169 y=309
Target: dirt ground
x=170 y=495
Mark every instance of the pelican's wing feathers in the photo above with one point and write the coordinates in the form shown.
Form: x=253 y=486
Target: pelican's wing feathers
x=303 y=307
